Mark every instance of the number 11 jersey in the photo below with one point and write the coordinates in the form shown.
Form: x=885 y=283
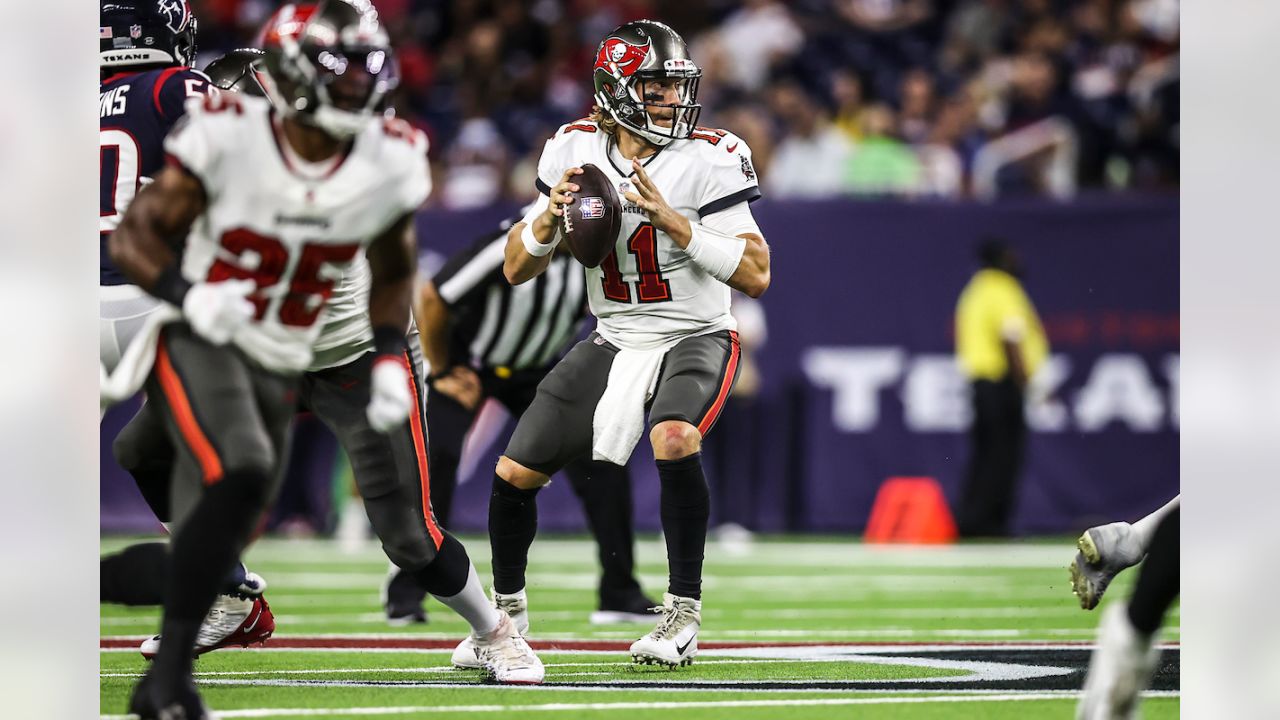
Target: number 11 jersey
x=648 y=292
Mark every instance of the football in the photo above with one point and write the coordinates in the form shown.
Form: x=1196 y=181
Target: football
x=591 y=223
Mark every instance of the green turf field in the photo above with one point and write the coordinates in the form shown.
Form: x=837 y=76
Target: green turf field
x=791 y=629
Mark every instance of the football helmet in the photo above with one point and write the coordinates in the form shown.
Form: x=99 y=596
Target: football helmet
x=236 y=71
x=328 y=64
x=145 y=32
x=632 y=66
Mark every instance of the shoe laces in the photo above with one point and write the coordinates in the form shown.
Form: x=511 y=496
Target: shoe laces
x=671 y=622
x=510 y=605
x=508 y=646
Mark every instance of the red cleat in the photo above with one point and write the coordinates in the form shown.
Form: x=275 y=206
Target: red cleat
x=231 y=621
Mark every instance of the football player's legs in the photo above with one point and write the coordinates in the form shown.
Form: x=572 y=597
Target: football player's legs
x=143 y=449
x=388 y=469
x=227 y=421
x=696 y=378
x=555 y=430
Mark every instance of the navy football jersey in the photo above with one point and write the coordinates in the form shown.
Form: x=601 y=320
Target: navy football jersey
x=136 y=111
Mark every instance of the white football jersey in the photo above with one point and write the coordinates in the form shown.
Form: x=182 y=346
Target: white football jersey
x=298 y=231
x=649 y=292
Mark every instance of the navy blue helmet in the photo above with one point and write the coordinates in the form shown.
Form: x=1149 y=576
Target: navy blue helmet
x=146 y=33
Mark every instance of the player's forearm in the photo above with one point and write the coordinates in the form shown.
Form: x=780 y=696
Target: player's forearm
x=518 y=264
x=752 y=275
x=389 y=302
x=137 y=246
x=433 y=327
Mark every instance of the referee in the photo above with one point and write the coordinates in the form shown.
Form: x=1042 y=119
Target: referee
x=484 y=338
x=1000 y=344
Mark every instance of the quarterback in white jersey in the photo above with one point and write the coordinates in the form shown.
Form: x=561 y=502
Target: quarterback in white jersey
x=666 y=342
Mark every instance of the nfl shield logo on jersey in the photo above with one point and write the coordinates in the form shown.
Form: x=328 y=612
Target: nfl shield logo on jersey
x=592 y=208
x=135 y=31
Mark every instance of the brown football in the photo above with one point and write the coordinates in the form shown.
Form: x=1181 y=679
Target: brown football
x=591 y=223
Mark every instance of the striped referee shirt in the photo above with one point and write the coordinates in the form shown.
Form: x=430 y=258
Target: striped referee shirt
x=496 y=325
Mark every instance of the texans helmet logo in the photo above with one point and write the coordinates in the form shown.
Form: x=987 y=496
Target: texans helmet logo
x=176 y=14
x=621 y=58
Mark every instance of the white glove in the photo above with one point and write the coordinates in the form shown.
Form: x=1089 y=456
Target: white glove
x=217 y=310
x=390 y=399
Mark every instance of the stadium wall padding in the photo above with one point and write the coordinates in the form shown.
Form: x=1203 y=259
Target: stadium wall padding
x=859 y=382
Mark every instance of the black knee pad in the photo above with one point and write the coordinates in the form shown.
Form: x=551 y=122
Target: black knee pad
x=447 y=573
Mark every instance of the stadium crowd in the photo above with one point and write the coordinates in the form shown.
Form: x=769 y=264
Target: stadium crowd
x=907 y=98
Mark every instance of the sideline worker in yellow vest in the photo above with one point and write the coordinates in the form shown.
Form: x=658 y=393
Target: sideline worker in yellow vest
x=1000 y=344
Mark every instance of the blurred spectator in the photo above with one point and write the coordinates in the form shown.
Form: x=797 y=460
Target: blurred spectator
x=810 y=160
x=754 y=39
x=846 y=90
x=916 y=105
x=961 y=75
x=882 y=164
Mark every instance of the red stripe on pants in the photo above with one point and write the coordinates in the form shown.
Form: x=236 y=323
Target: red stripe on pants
x=420 y=447
x=730 y=370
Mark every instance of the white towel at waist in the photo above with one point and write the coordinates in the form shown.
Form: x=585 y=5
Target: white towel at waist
x=135 y=364
x=619 y=418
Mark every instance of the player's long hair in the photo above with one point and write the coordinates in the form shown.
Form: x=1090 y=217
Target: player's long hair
x=602 y=118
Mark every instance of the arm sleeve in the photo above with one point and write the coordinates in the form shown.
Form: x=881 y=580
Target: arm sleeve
x=734 y=220
x=416 y=188
x=731 y=178
x=192 y=144
x=549 y=171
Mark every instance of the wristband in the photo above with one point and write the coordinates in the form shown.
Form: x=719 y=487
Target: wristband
x=442 y=373
x=388 y=340
x=535 y=248
x=171 y=286
x=714 y=251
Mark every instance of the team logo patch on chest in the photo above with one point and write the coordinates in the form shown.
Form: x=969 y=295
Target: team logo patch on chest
x=592 y=208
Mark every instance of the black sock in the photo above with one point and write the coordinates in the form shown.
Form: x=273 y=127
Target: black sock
x=1158 y=578
x=135 y=575
x=447 y=573
x=686 y=508
x=206 y=547
x=513 y=521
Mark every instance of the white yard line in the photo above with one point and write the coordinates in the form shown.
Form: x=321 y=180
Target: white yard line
x=670 y=705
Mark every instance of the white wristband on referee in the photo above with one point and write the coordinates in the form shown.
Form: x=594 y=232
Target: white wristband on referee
x=715 y=252
x=535 y=248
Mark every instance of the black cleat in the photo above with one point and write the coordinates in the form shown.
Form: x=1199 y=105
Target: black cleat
x=152 y=702
x=402 y=598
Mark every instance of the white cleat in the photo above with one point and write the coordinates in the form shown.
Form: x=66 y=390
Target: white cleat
x=674 y=642
x=516 y=607
x=507 y=657
x=232 y=620
x=1105 y=550
x=1120 y=669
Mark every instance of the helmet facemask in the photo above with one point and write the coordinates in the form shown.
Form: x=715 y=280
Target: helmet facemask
x=646 y=82
x=335 y=74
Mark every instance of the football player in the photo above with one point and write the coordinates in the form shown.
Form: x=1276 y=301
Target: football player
x=1106 y=550
x=390 y=469
x=1126 y=655
x=145 y=47
x=280 y=198
x=665 y=339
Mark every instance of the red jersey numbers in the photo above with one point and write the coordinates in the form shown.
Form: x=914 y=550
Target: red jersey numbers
x=651 y=286
x=400 y=130
x=264 y=260
x=216 y=102
x=711 y=135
